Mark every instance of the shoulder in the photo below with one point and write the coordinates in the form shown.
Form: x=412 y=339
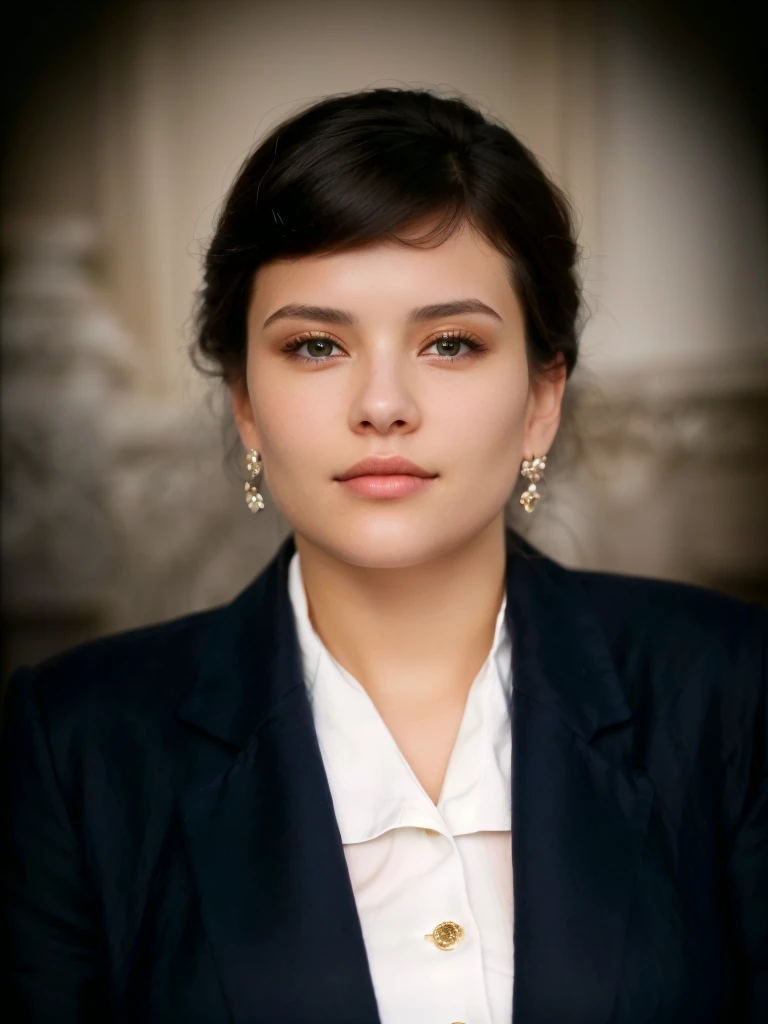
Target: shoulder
x=651 y=616
x=671 y=614
x=683 y=649
x=133 y=677
x=654 y=603
x=693 y=666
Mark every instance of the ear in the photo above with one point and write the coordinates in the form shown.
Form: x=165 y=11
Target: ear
x=542 y=418
x=242 y=411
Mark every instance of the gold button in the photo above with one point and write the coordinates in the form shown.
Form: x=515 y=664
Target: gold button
x=446 y=935
x=431 y=831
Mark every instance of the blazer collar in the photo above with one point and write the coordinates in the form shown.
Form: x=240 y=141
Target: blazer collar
x=275 y=895
x=560 y=646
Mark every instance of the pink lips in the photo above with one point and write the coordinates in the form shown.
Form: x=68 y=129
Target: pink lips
x=386 y=477
x=393 y=486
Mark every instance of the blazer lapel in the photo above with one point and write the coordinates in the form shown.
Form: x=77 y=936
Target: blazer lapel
x=276 y=897
x=579 y=817
x=275 y=893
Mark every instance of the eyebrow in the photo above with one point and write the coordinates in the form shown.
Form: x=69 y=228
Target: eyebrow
x=328 y=315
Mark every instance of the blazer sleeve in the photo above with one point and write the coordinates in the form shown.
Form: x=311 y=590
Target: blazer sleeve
x=747 y=851
x=54 y=968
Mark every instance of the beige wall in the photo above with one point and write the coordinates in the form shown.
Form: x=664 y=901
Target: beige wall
x=683 y=201
x=199 y=83
x=140 y=126
x=143 y=125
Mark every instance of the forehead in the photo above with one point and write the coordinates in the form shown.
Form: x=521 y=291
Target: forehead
x=389 y=275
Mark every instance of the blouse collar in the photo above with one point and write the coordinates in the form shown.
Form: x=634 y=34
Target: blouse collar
x=373 y=786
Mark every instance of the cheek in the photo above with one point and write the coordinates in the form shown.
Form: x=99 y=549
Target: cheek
x=485 y=416
x=291 y=421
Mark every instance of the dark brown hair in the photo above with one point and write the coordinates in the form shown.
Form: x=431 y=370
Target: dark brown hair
x=361 y=167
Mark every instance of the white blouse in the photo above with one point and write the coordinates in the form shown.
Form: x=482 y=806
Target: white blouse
x=413 y=865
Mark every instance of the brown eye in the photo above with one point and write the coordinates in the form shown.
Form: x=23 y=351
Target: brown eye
x=313 y=343
x=448 y=344
x=319 y=347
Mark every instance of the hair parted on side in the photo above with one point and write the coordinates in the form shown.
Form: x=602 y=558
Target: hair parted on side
x=356 y=168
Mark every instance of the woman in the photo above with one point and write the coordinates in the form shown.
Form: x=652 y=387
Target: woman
x=414 y=753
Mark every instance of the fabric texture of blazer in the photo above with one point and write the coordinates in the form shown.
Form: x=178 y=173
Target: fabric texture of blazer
x=170 y=851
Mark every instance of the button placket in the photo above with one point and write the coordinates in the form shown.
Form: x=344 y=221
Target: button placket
x=450 y=936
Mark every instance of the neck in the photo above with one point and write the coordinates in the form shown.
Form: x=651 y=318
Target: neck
x=415 y=634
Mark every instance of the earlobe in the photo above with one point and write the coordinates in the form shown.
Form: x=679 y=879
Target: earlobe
x=545 y=407
x=242 y=413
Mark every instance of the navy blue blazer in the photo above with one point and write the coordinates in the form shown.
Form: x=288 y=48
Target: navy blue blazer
x=172 y=854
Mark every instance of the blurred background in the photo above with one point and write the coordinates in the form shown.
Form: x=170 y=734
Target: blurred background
x=125 y=124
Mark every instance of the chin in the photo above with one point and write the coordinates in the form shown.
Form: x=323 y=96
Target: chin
x=375 y=539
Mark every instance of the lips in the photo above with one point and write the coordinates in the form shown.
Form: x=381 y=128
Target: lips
x=393 y=465
x=398 y=485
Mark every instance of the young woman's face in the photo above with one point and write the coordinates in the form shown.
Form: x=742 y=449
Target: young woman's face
x=373 y=376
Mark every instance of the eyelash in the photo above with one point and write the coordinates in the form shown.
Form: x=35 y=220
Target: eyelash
x=476 y=347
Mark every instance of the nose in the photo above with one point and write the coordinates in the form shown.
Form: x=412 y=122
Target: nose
x=383 y=395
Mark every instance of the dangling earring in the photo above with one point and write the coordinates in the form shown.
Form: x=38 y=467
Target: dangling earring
x=533 y=470
x=253 y=499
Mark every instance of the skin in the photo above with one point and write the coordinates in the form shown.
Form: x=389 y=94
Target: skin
x=403 y=592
